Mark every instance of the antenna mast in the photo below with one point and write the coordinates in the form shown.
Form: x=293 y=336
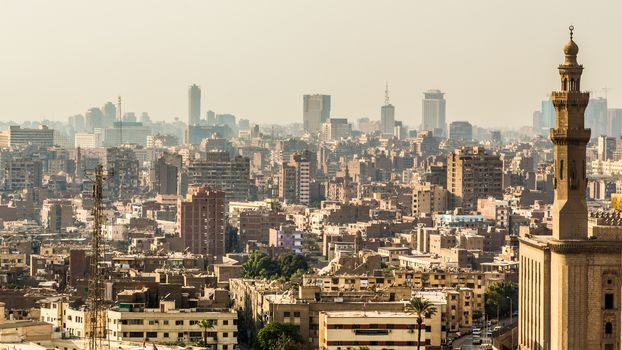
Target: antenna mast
x=386 y=94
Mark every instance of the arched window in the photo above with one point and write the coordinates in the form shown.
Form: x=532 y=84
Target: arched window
x=565 y=84
x=561 y=169
x=572 y=85
x=608 y=328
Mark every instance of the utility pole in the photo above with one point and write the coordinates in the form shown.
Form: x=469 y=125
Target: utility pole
x=95 y=298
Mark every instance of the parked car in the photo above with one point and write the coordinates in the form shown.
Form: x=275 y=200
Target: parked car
x=477 y=340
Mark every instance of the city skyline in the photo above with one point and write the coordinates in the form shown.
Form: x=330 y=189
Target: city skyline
x=232 y=63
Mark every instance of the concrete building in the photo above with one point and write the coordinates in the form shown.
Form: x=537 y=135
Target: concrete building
x=373 y=330
x=20 y=173
x=473 y=173
x=43 y=136
x=56 y=215
x=336 y=129
x=287 y=238
x=316 y=110
x=201 y=222
x=433 y=113
x=88 y=140
x=295 y=180
x=126 y=133
x=428 y=199
x=219 y=171
x=194 y=105
x=165 y=174
x=606 y=147
x=570 y=284
x=170 y=324
x=461 y=131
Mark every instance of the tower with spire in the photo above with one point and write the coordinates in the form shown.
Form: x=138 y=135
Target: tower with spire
x=387 y=114
x=570 y=138
x=570 y=281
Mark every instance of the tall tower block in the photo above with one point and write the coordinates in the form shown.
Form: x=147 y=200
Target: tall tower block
x=570 y=138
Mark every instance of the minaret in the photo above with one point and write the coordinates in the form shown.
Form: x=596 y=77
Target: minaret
x=570 y=138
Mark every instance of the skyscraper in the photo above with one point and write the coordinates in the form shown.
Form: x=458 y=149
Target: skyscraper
x=387 y=115
x=194 y=105
x=316 y=110
x=109 y=111
x=570 y=281
x=434 y=112
x=614 y=119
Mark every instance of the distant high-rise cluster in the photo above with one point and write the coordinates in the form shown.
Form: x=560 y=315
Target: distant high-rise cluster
x=194 y=105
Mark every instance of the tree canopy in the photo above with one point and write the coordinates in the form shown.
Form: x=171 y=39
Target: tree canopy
x=498 y=295
x=261 y=265
x=277 y=335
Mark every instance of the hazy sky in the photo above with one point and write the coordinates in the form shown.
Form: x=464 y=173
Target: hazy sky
x=495 y=59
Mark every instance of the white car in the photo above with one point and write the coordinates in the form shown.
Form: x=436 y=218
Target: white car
x=477 y=331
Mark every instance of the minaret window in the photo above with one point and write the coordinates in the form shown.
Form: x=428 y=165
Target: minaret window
x=565 y=84
x=561 y=169
x=608 y=328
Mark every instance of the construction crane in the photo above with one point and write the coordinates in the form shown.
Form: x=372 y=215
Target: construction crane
x=95 y=300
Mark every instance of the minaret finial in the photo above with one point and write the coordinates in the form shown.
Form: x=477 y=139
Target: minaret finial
x=571 y=28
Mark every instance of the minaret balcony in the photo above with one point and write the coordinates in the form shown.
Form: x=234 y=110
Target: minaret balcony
x=570 y=135
x=570 y=98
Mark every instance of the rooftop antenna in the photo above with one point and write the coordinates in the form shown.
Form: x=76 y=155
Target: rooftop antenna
x=386 y=94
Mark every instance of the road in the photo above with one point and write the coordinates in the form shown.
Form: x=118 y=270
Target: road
x=466 y=342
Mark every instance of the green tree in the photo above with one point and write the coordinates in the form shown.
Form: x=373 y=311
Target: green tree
x=205 y=325
x=497 y=298
x=290 y=263
x=260 y=265
x=423 y=308
x=277 y=335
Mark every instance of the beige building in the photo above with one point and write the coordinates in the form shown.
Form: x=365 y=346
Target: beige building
x=428 y=198
x=374 y=330
x=570 y=281
x=473 y=173
x=168 y=324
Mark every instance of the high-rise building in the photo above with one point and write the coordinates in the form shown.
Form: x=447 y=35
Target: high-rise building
x=123 y=172
x=201 y=222
x=295 y=179
x=606 y=147
x=428 y=198
x=434 y=112
x=387 y=115
x=596 y=116
x=461 y=131
x=211 y=118
x=614 y=120
x=570 y=281
x=473 y=173
x=219 y=171
x=94 y=119
x=165 y=174
x=109 y=114
x=316 y=110
x=194 y=105
x=22 y=173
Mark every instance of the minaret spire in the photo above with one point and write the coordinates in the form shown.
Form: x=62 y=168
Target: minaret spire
x=570 y=138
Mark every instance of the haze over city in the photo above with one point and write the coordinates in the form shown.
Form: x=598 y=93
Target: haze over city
x=255 y=59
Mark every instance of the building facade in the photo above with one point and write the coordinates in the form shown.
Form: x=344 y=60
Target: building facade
x=316 y=110
x=434 y=112
x=201 y=222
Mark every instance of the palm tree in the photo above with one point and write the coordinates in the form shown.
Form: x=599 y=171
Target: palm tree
x=423 y=308
x=205 y=325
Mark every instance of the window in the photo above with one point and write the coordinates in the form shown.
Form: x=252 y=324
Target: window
x=225 y=335
x=152 y=334
x=137 y=334
x=296 y=313
x=179 y=323
x=286 y=314
x=193 y=322
x=165 y=335
x=609 y=301
x=180 y=335
x=165 y=322
x=608 y=328
x=225 y=322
